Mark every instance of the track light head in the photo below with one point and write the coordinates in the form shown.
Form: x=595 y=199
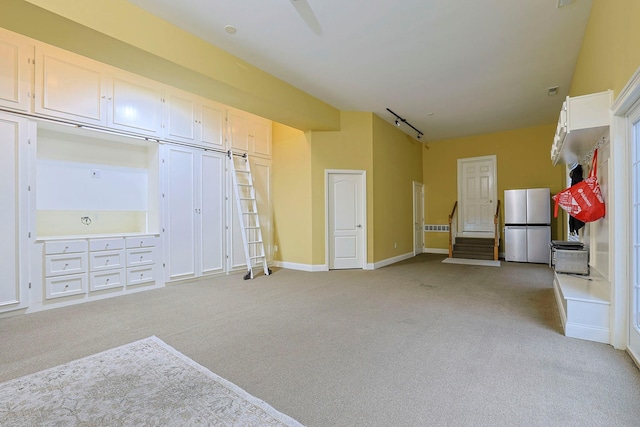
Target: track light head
x=398 y=122
x=419 y=136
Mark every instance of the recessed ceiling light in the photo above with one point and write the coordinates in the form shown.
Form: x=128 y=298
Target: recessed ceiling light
x=230 y=29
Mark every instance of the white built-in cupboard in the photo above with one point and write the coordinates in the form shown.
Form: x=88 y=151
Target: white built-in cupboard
x=113 y=182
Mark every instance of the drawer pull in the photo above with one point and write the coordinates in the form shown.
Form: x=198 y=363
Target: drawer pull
x=141 y=242
x=65 y=266
x=107 y=280
x=106 y=246
x=66 y=286
x=107 y=261
x=141 y=275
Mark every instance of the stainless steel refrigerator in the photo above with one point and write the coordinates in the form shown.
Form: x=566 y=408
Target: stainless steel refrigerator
x=527 y=219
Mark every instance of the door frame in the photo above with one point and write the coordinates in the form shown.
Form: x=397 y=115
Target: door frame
x=420 y=205
x=327 y=237
x=620 y=213
x=494 y=159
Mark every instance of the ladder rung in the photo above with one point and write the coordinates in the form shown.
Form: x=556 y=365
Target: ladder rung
x=255 y=242
x=244 y=185
x=256 y=257
x=241 y=171
x=252 y=228
x=249 y=213
x=247 y=198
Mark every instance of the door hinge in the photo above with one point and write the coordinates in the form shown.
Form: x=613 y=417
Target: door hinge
x=163 y=230
x=162 y=160
x=29 y=141
x=163 y=265
x=29 y=285
x=28 y=188
x=163 y=195
x=29 y=234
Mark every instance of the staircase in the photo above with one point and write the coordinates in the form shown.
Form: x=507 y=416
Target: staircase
x=473 y=248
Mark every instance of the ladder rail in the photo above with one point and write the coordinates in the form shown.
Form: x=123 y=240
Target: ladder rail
x=244 y=216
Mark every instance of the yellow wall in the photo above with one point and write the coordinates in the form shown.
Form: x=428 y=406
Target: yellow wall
x=522 y=162
x=291 y=192
x=349 y=148
x=397 y=162
x=610 y=52
x=120 y=34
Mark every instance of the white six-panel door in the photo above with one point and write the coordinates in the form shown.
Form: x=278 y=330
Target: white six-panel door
x=210 y=215
x=346 y=219
x=477 y=193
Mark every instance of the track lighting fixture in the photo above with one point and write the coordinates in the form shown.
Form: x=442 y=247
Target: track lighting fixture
x=400 y=120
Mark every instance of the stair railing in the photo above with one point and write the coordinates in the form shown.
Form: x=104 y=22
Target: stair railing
x=496 y=235
x=453 y=225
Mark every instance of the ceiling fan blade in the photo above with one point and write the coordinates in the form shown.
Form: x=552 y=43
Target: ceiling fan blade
x=307 y=15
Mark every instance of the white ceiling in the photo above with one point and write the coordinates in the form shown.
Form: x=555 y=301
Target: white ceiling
x=478 y=65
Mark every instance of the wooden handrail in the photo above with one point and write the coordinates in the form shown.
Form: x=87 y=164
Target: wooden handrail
x=496 y=235
x=453 y=211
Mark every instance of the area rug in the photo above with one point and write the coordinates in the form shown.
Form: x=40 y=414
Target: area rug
x=145 y=383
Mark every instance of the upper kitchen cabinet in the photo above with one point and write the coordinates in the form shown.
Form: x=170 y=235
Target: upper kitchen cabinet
x=193 y=120
x=583 y=121
x=249 y=134
x=16 y=71
x=70 y=87
x=135 y=104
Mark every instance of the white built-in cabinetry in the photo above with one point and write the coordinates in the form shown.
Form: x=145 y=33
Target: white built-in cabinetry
x=16 y=71
x=78 y=89
x=194 y=206
x=14 y=211
x=113 y=182
x=582 y=122
x=193 y=120
x=584 y=303
x=249 y=134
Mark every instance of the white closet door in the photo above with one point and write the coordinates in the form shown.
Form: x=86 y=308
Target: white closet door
x=213 y=116
x=210 y=213
x=15 y=72
x=136 y=105
x=180 y=213
x=13 y=214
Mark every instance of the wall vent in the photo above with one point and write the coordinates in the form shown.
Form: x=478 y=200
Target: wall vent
x=436 y=228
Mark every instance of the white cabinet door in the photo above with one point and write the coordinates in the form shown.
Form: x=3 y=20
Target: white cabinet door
x=238 y=131
x=136 y=105
x=181 y=119
x=180 y=199
x=14 y=213
x=15 y=71
x=261 y=138
x=69 y=86
x=194 y=213
x=193 y=119
x=210 y=213
x=212 y=124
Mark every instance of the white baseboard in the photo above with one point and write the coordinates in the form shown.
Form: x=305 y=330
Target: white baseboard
x=388 y=261
x=302 y=267
x=435 y=251
x=584 y=332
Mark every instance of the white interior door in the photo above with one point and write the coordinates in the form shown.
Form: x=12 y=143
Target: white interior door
x=477 y=194
x=418 y=218
x=634 y=303
x=346 y=219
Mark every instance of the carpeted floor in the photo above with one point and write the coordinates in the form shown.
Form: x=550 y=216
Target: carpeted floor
x=144 y=383
x=416 y=343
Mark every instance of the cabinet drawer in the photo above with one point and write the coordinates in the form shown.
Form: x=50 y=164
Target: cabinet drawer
x=106 y=279
x=105 y=260
x=63 y=286
x=138 y=275
x=65 y=247
x=141 y=256
x=57 y=265
x=141 y=242
x=106 y=244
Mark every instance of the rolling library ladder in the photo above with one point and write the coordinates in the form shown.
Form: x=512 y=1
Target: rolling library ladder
x=248 y=217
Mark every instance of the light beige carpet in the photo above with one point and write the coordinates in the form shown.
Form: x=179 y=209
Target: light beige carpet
x=145 y=383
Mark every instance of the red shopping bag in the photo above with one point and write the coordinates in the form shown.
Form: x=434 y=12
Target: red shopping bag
x=583 y=200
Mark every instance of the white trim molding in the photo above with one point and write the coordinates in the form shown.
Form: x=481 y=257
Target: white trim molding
x=435 y=251
x=312 y=268
x=389 y=261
